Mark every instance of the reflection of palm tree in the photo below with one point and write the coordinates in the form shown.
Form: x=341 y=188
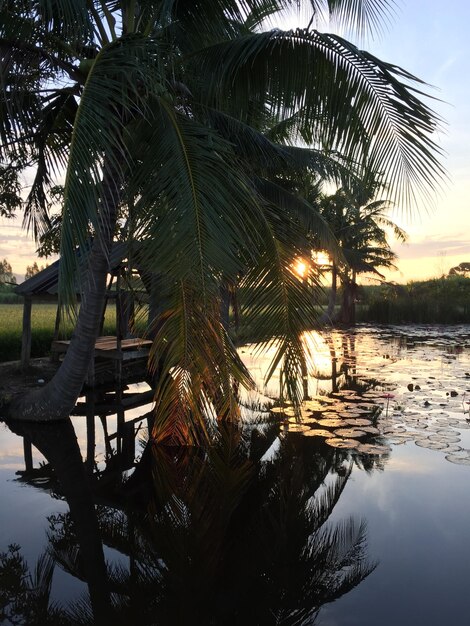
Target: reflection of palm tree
x=304 y=562
x=245 y=539
x=344 y=373
x=25 y=595
x=58 y=443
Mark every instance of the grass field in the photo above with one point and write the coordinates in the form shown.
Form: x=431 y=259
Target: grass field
x=42 y=323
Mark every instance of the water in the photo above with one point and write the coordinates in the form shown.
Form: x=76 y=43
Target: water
x=273 y=524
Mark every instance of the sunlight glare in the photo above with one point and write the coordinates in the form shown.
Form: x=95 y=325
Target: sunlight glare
x=300 y=267
x=321 y=258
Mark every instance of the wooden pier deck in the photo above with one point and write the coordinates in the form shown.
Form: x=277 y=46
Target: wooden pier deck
x=110 y=348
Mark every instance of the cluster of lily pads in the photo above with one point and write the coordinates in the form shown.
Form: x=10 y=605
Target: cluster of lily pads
x=343 y=419
x=397 y=385
x=431 y=391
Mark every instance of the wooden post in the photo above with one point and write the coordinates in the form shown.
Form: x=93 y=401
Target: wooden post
x=28 y=454
x=26 y=337
x=90 y=432
x=127 y=445
x=119 y=328
x=55 y=355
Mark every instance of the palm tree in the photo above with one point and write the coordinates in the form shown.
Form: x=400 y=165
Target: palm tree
x=359 y=223
x=155 y=109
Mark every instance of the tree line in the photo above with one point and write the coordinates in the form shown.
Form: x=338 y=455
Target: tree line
x=7 y=277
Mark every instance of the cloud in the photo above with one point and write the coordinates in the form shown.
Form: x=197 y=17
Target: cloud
x=443 y=69
x=433 y=247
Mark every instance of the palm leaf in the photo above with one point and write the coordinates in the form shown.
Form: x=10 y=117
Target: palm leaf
x=197 y=366
x=112 y=96
x=315 y=74
x=192 y=197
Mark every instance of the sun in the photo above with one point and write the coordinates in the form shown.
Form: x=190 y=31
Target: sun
x=300 y=267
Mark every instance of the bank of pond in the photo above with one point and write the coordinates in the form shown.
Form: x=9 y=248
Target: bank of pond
x=438 y=301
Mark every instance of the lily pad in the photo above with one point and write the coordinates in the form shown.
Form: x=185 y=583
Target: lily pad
x=346 y=444
x=331 y=423
x=353 y=433
x=458 y=460
x=313 y=405
x=431 y=445
x=371 y=430
x=347 y=414
x=358 y=421
x=318 y=432
x=371 y=448
x=298 y=428
x=444 y=438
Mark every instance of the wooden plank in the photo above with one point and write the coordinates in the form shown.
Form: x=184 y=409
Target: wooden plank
x=128 y=355
x=28 y=454
x=107 y=346
x=60 y=346
x=112 y=405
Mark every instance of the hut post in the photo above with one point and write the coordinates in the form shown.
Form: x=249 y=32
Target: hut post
x=26 y=337
x=28 y=454
x=119 y=335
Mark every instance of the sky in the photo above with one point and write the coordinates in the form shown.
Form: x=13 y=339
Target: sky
x=430 y=39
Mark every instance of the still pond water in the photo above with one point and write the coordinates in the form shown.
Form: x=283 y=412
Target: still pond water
x=358 y=516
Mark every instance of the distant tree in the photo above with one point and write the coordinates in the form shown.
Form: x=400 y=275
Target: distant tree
x=49 y=242
x=462 y=269
x=32 y=270
x=10 y=191
x=359 y=224
x=6 y=273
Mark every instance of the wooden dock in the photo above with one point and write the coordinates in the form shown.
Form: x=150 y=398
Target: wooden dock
x=111 y=348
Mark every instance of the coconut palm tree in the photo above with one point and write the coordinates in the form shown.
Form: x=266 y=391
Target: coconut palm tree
x=154 y=109
x=359 y=223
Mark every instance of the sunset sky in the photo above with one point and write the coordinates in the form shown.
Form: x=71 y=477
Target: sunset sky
x=429 y=39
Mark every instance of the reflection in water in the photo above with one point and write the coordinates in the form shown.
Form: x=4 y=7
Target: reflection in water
x=237 y=533
x=408 y=390
x=242 y=533
x=58 y=444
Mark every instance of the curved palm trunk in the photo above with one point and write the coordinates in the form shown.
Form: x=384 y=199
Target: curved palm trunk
x=58 y=443
x=56 y=400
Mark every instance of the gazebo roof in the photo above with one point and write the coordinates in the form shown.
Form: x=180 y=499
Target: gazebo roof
x=46 y=282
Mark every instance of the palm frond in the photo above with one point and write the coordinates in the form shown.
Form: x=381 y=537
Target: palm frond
x=290 y=207
x=278 y=306
x=349 y=100
x=192 y=197
x=116 y=90
x=198 y=369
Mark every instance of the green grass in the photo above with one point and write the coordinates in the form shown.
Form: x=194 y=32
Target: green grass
x=42 y=325
x=444 y=300
x=436 y=301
